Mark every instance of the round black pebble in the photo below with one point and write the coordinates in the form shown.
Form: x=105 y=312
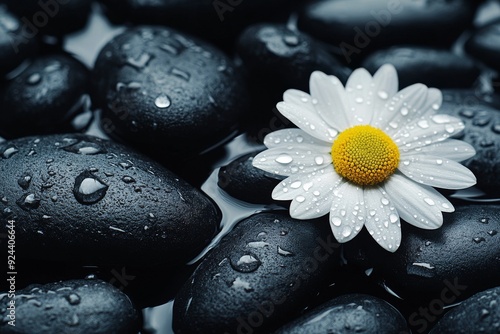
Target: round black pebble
x=432 y=67
x=484 y=45
x=76 y=306
x=352 y=313
x=15 y=45
x=359 y=27
x=482 y=131
x=262 y=273
x=167 y=92
x=478 y=314
x=85 y=200
x=243 y=181
x=44 y=97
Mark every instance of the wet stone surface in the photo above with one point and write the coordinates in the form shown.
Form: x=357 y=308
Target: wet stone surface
x=166 y=92
x=268 y=267
x=83 y=199
x=44 y=98
x=74 y=306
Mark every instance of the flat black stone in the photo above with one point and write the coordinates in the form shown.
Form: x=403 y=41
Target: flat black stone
x=484 y=45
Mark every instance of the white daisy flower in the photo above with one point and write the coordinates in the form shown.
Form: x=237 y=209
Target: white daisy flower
x=367 y=155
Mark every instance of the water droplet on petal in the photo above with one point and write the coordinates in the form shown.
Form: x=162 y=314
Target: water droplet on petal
x=346 y=231
x=383 y=95
x=404 y=111
x=300 y=199
x=359 y=100
x=162 y=101
x=336 y=221
x=296 y=185
x=319 y=160
x=439 y=161
x=424 y=124
x=393 y=218
x=384 y=201
x=88 y=188
x=284 y=159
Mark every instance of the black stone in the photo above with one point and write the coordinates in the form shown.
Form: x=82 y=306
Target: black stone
x=432 y=67
x=262 y=273
x=351 y=313
x=458 y=258
x=166 y=92
x=484 y=45
x=50 y=16
x=44 y=97
x=482 y=131
x=218 y=21
x=79 y=205
x=243 y=181
x=478 y=314
x=276 y=58
x=14 y=46
x=74 y=306
x=359 y=27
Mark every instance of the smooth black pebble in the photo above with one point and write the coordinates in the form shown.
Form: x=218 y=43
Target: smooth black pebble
x=482 y=131
x=351 y=313
x=432 y=67
x=55 y=17
x=458 y=258
x=245 y=182
x=276 y=58
x=82 y=199
x=262 y=273
x=359 y=27
x=478 y=314
x=484 y=45
x=44 y=98
x=15 y=47
x=167 y=92
x=75 y=306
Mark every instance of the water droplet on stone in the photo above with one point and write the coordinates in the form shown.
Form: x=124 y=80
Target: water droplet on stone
x=246 y=264
x=34 y=79
x=484 y=220
x=492 y=232
x=140 y=62
x=9 y=152
x=73 y=299
x=162 y=101
x=284 y=252
x=478 y=240
x=291 y=40
x=84 y=148
x=128 y=179
x=89 y=189
x=496 y=128
x=28 y=202
x=24 y=181
x=180 y=73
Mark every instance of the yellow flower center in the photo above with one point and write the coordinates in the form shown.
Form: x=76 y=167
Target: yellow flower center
x=365 y=155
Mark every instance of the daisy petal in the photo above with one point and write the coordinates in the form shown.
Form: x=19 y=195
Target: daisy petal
x=307 y=120
x=382 y=219
x=347 y=214
x=385 y=86
x=437 y=172
x=311 y=195
x=359 y=88
x=289 y=160
x=295 y=137
x=332 y=104
x=418 y=205
x=427 y=130
x=453 y=149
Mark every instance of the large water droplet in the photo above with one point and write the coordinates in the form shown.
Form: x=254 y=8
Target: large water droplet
x=424 y=124
x=429 y=201
x=346 y=231
x=336 y=221
x=284 y=159
x=24 y=181
x=9 y=152
x=89 y=189
x=384 y=201
x=284 y=252
x=84 y=147
x=393 y=218
x=246 y=263
x=319 y=160
x=34 y=79
x=28 y=202
x=73 y=299
x=162 y=101
x=383 y=95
